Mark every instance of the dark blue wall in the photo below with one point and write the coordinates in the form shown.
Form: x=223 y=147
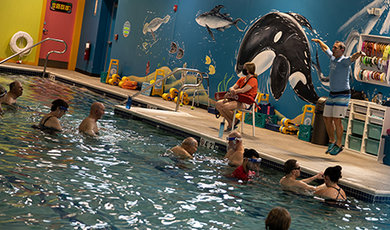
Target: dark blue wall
x=95 y=29
x=325 y=16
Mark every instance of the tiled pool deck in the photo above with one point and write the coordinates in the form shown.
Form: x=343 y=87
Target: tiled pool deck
x=363 y=176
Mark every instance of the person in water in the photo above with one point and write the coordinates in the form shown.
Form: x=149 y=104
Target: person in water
x=290 y=183
x=15 y=91
x=250 y=166
x=187 y=148
x=332 y=190
x=89 y=124
x=235 y=149
x=51 y=120
x=278 y=219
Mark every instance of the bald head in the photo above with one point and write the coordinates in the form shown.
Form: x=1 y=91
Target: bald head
x=235 y=134
x=97 y=110
x=190 y=145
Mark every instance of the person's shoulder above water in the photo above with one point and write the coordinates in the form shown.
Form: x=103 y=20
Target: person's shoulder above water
x=250 y=166
x=15 y=91
x=290 y=183
x=235 y=149
x=89 y=124
x=186 y=149
x=51 y=120
x=332 y=190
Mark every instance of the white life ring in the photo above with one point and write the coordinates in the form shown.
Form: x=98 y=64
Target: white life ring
x=18 y=35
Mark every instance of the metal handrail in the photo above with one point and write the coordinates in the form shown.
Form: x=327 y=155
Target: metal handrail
x=130 y=98
x=47 y=56
x=162 y=79
x=185 y=86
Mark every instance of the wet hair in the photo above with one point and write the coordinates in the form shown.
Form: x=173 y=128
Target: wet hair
x=58 y=103
x=341 y=45
x=289 y=165
x=249 y=153
x=278 y=219
x=334 y=173
x=3 y=91
x=251 y=68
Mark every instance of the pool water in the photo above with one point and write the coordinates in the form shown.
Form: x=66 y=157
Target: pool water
x=124 y=180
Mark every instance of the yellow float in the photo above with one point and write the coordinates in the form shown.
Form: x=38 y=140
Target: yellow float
x=173 y=92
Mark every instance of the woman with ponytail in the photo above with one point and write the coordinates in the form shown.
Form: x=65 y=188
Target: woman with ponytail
x=332 y=190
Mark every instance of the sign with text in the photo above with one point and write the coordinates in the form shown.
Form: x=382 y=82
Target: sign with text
x=65 y=7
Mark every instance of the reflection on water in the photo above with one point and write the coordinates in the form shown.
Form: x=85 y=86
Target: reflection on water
x=123 y=179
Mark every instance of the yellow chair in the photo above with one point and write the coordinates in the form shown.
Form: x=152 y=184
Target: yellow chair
x=250 y=110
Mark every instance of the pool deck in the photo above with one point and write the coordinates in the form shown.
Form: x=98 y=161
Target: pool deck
x=363 y=176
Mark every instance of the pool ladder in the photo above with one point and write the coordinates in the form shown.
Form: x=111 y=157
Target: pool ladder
x=182 y=88
x=48 y=53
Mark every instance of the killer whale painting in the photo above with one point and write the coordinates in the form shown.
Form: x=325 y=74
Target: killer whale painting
x=278 y=41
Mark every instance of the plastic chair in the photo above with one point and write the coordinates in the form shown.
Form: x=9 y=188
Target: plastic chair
x=250 y=110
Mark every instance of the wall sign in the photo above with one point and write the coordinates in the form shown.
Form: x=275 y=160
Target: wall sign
x=126 y=29
x=65 y=7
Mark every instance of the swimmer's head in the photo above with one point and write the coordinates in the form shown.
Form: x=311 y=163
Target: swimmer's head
x=16 y=88
x=334 y=173
x=290 y=165
x=252 y=160
x=234 y=138
x=190 y=144
x=97 y=110
x=59 y=104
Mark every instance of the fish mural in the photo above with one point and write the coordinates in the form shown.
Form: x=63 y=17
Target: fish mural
x=215 y=20
x=278 y=41
x=153 y=25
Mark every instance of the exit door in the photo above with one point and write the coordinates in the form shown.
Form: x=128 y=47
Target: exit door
x=59 y=23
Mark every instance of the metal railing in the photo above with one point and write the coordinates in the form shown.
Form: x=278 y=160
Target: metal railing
x=38 y=43
x=181 y=88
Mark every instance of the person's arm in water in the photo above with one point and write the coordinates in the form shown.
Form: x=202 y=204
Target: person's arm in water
x=323 y=46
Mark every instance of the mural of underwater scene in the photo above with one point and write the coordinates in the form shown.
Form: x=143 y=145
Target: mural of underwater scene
x=290 y=68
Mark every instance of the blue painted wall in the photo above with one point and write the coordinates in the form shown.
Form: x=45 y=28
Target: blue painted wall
x=95 y=29
x=331 y=20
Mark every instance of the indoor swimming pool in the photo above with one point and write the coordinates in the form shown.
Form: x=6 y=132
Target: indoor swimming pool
x=124 y=179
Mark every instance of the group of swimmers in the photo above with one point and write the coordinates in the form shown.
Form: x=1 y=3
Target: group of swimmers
x=50 y=122
x=247 y=163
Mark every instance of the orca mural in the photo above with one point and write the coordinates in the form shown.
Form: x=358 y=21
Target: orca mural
x=278 y=41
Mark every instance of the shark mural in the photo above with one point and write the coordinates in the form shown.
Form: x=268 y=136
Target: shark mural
x=215 y=20
x=278 y=41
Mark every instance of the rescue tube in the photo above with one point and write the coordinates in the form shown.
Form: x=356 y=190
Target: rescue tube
x=18 y=35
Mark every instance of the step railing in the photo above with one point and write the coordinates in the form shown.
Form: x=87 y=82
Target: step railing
x=130 y=98
x=48 y=53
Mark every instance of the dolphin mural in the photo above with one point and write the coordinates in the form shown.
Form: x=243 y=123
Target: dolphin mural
x=278 y=41
x=215 y=20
